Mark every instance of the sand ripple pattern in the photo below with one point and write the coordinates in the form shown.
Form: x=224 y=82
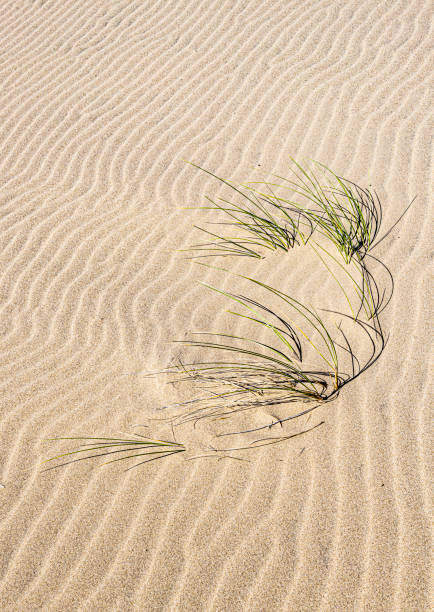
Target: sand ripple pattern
x=100 y=103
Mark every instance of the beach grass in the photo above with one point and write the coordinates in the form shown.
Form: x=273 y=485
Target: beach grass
x=132 y=448
x=302 y=360
x=262 y=218
x=340 y=222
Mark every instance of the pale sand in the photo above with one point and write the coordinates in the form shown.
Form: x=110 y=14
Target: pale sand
x=100 y=103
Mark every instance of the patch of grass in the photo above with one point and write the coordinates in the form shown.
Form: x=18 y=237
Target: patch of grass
x=306 y=358
x=346 y=214
x=130 y=449
x=275 y=372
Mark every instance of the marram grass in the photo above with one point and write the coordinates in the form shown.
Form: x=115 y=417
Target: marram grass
x=124 y=449
x=259 y=219
x=264 y=373
x=341 y=222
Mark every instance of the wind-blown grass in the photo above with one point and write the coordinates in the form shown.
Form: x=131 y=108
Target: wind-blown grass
x=259 y=373
x=306 y=358
x=347 y=220
x=130 y=449
x=346 y=214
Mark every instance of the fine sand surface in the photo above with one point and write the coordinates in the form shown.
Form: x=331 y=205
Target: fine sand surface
x=100 y=104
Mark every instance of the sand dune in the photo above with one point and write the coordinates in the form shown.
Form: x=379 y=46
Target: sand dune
x=100 y=103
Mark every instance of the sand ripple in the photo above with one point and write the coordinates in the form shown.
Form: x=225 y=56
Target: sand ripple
x=100 y=104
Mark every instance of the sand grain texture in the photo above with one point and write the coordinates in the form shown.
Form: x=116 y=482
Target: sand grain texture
x=100 y=104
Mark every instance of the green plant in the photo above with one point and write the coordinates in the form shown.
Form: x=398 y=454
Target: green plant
x=302 y=361
x=276 y=372
x=346 y=214
x=156 y=449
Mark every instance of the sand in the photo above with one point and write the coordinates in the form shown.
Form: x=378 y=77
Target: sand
x=100 y=104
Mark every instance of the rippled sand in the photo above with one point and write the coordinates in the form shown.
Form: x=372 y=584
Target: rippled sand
x=100 y=104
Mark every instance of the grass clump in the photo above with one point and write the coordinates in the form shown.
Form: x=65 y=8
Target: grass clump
x=307 y=359
x=308 y=356
x=348 y=215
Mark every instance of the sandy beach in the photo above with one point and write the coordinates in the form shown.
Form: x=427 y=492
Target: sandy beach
x=101 y=104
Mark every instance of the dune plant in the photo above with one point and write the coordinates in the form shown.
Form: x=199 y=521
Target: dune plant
x=90 y=448
x=306 y=358
x=347 y=220
x=346 y=214
x=265 y=373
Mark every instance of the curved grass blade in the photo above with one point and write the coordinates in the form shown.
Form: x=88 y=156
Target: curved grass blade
x=165 y=448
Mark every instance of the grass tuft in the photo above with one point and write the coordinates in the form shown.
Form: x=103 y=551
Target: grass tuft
x=131 y=449
x=307 y=356
x=265 y=373
x=343 y=212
